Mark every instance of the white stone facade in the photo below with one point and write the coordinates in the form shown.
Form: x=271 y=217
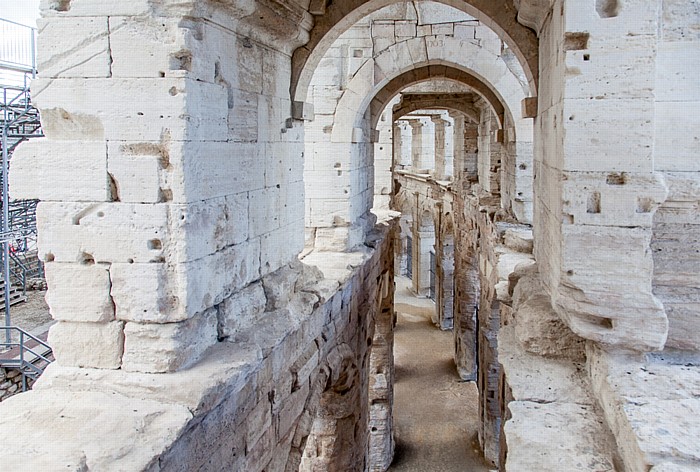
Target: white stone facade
x=195 y=151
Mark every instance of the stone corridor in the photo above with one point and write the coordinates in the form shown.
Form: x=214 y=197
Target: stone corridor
x=230 y=188
x=435 y=412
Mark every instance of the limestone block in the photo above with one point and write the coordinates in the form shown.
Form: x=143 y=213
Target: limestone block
x=208 y=169
x=556 y=436
x=619 y=199
x=79 y=425
x=405 y=29
x=622 y=312
x=168 y=347
x=279 y=286
x=94 y=303
x=159 y=293
x=276 y=67
x=520 y=240
x=265 y=209
x=140 y=110
x=211 y=279
x=98 y=345
x=52 y=8
x=107 y=232
x=83 y=53
x=508 y=261
x=60 y=171
x=241 y=310
x=532 y=377
x=650 y=403
x=146 y=293
x=676 y=136
x=148 y=47
x=539 y=329
x=203 y=228
x=588 y=125
x=281 y=246
x=135 y=172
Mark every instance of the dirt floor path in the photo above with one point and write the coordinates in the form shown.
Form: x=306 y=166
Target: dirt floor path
x=435 y=413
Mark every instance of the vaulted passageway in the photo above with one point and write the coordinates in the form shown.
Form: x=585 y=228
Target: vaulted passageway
x=219 y=178
x=435 y=411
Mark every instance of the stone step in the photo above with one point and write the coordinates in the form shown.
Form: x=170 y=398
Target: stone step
x=553 y=421
x=652 y=404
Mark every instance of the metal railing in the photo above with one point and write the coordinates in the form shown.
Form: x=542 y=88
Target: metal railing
x=30 y=358
x=17 y=47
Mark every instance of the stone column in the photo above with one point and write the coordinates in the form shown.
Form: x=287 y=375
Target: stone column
x=439 y=173
x=444 y=287
x=156 y=233
x=471 y=151
x=397 y=143
x=458 y=163
x=423 y=243
x=596 y=185
x=416 y=144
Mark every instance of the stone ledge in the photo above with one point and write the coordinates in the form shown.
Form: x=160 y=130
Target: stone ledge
x=652 y=404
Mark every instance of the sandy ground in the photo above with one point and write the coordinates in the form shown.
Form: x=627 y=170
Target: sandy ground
x=435 y=412
x=32 y=316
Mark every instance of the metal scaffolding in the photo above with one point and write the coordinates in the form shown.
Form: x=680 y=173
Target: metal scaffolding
x=19 y=121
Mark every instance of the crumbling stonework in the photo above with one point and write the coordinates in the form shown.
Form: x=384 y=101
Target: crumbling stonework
x=223 y=288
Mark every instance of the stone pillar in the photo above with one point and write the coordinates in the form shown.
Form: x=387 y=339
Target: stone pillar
x=381 y=386
x=444 y=288
x=440 y=123
x=156 y=232
x=458 y=161
x=416 y=144
x=423 y=243
x=466 y=298
x=595 y=183
x=471 y=151
x=398 y=145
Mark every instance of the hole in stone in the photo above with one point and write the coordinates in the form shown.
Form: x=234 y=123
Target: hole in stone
x=130 y=260
x=593 y=203
x=87 y=259
x=181 y=60
x=166 y=195
x=576 y=41
x=374 y=429
x=155 y=245
x=607 y=8
x=140 y=113
x=616 y=179
x=644 y=205
x=569 y=273
x=100 y=214
x=113 y=188
x=61 y=5
x=523 y=166
x=357 y=53
x=173 y=91
x=161 y=73
x=571 y=118
x=586 y=57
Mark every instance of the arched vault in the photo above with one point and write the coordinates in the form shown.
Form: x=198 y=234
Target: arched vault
x=334 y=19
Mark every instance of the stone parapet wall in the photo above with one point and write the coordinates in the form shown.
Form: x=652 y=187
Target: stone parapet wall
x=253 y=401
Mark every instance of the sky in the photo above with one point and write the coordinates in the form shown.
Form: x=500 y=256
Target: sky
x=24 y=12
x=21 y=11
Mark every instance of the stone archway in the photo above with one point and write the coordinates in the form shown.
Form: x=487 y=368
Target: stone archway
x=333 y=19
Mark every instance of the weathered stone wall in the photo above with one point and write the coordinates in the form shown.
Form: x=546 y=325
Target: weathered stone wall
x=265 y=398
x=676 y=228
x=11 y=383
